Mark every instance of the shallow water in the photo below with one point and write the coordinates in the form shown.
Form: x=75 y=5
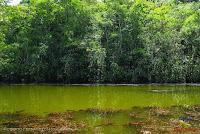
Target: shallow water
x=43 y=99
x=104 y=109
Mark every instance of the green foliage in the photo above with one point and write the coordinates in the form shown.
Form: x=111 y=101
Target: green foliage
x=110 y=41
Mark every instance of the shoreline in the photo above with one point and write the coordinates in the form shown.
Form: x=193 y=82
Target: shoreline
x=108 y=84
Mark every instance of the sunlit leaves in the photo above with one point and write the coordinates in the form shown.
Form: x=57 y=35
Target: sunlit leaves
x=113 y=41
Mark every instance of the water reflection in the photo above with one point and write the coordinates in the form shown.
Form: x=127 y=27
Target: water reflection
x=45 y=99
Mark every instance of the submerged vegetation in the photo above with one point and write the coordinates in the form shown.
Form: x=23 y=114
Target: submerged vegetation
x=99 y=109
x=92 y=41
x=54 y=122
x=147 y=120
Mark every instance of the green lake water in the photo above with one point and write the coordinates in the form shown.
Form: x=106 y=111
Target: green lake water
x=44 y=99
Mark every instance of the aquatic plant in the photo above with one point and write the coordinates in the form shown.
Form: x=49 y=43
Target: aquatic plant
x=147 y=120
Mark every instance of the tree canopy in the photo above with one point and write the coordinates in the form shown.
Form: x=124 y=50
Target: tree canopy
x=108 y=41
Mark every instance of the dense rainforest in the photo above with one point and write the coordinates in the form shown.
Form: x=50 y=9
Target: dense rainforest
x=93 y=41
